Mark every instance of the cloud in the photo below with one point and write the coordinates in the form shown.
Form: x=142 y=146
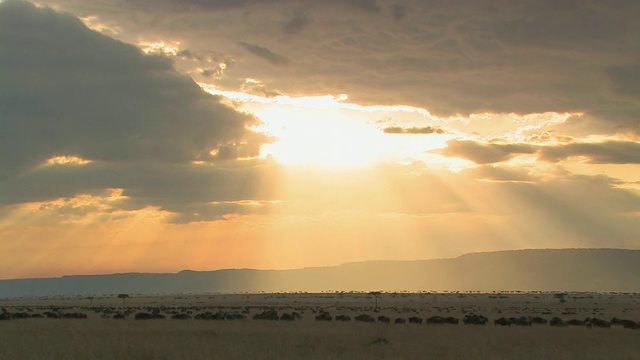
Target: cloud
x=184 y=190
x=266 y=54
x=69 y=91
x=548 y=19
x=413 y=130
x=399 y=12
x=609 y=152
x=186 y=5
x=485 y=153
x=625 y=79
x=522 y=57
x=368 y=5
x=72 y=91
x=296 y=22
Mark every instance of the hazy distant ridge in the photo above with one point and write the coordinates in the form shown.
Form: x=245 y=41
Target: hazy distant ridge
x=545 y=270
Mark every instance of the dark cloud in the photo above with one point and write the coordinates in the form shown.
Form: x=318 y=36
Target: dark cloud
x=399 y=12
x=296 y=22
x=219 y=210
x=177 y=188
x=208 y=4
x=266 y=54
x=609 y=152
x=450 y=57
x=67 y=90
x=625 y=79
x=485 y=153
x=72 y=91
x=551 y=24
x=368 y=5
x=413 y=130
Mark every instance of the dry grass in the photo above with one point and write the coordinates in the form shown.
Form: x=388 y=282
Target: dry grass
x=97 y=338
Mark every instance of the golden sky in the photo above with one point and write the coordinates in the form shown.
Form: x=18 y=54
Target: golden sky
x=168 y=135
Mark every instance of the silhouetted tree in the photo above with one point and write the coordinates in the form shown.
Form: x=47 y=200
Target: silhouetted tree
x=124 y=298
x=376 y=295
x=561 y=297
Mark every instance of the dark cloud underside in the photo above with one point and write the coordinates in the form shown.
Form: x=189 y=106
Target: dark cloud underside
x=450 y=57
x=486 y=153
x=610 y=152
x=67 y=90
x=413 y=130
x=266 y=54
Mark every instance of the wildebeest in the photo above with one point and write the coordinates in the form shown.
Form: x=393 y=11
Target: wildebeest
x=556 y=321
x=627 y=324
x=474 y=319
x=210 y=316
x=443 y=320
x=147 y=316
x=324 y=316
x=451 y=320
x=575 y=322
x=20 y=315
x=599 y=323
x=268 y=314
x=630 y=324
x=52 y=315
x=287 y=317
x=521 y=321
x=364 y=318
x=616 y=321
x=539 y=320
x=181 y=317
x=435 y=320
x=75 y=315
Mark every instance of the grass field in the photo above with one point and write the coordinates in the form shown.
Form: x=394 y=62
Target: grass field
x=99 y=337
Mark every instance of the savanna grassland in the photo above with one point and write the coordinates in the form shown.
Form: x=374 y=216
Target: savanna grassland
x=224 y=326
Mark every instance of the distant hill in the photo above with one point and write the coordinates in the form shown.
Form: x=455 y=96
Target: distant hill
x=592 y=270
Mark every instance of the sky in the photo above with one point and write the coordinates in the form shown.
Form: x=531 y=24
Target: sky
x=157 y=136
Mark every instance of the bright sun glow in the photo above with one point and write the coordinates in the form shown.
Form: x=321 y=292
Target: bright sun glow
x=322 y=137
x=327 y=131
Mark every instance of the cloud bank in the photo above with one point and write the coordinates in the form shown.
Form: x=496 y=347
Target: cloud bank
x=135 y=121
x=522 y=56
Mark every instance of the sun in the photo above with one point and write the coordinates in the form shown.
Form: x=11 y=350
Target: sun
x=330 y=132
x=326 y=137
x=333 y=136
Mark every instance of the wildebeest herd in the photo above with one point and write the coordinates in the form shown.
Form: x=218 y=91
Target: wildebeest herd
x=273 y=314
x=356 y=325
